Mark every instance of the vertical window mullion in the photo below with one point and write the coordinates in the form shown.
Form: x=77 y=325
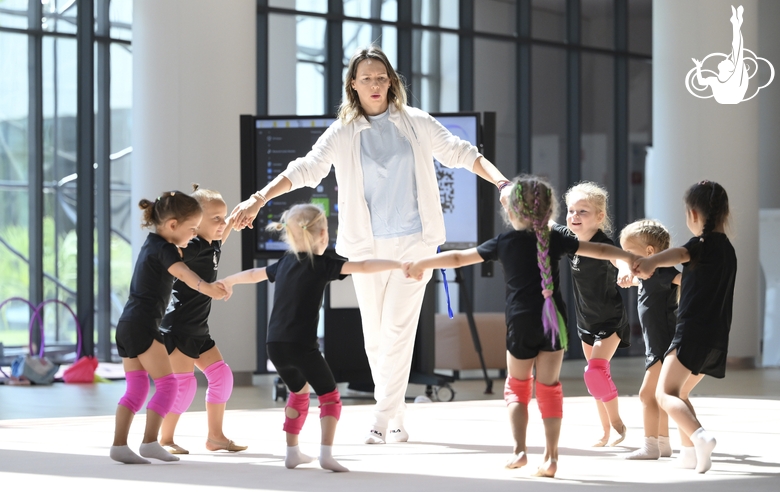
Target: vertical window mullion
x=335 y=62
x=466 y=56
x=621 y=185
x=85 y=158
x=523 y=102
x=573 y=88
x=35 y=143
x=103 y=183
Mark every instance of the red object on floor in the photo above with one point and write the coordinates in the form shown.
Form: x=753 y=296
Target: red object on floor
x=82 y=371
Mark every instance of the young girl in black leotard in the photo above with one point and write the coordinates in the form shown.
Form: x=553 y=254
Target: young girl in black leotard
x=301 y=278
x=701 y=339
x=175 y=217
x=187 y=335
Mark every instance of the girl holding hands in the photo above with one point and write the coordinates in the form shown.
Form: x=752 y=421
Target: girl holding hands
x=175 y=217
x=602 y=324
x=701 y=338
x=301 y=277
x=535 y=312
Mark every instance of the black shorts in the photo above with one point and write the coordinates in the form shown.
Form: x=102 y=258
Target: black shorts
x=525 y=339
x=299 y=363
x=133 y=339
x=700 y=359
x=656 y=345
x=190 y=345
x=590 y=337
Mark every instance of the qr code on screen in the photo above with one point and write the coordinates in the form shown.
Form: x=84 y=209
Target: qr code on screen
x=446 y=178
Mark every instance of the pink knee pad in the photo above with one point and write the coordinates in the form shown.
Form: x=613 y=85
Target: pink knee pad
x=188 y=385
x=300 y=403
x=599 y=381
x=137 y=390
x=330 y=404
x=518 y=390
x=220 y=379
x=550 y=400
x=164 y=395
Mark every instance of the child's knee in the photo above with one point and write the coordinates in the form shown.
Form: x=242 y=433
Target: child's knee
x=137 y=390
x=299 y=404
x=220 y=379
x=330 y=404
x=518 y=390
x=647 y=395
x=598 y=380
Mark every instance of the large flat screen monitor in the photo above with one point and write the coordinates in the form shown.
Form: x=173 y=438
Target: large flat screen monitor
x=270 y=143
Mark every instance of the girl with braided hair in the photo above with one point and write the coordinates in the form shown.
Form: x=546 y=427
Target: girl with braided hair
x=535 y=314
x=701 y=337
x=301 y=277
x=602 y=323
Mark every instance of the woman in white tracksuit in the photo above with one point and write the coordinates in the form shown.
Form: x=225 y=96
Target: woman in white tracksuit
x=389 y=207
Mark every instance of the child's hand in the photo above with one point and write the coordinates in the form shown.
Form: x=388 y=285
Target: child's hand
x=411 y=270
x=214 y=290
x=228 y=288
x=625 y=279
x=643 y=267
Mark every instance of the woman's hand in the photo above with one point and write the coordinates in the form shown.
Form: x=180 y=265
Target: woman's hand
x=506 y=192
x=245 y=213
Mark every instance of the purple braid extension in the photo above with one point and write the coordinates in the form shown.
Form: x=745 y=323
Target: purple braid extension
x=551 y=319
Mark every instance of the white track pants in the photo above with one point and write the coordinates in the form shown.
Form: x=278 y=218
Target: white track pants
x=390 y=308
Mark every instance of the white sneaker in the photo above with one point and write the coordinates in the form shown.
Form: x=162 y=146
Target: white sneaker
x=398 y=434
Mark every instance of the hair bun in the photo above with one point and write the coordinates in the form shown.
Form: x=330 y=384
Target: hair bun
x=195 y=186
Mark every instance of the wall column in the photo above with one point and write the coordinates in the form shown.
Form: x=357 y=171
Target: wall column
x=193 y=75
x=696 y=139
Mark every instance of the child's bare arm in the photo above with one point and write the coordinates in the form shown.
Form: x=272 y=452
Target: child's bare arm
x=369 y=266
x=450 y=259
x=194 y=282
x=251 y=276
x=228 y=229
x=644 y=267
x=603 y=251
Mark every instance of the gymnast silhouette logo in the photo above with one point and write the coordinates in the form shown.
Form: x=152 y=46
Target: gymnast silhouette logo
x=730 y=84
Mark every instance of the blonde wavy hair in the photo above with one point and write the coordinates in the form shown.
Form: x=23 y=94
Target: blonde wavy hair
x=596 y=196
x=350 y=108
x=648 y=232
x=300 y=226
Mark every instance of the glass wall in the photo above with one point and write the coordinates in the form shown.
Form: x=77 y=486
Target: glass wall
x=44 y=35
x=569 y=81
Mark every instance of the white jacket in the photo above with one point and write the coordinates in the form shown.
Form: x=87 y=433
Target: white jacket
x=340 y=146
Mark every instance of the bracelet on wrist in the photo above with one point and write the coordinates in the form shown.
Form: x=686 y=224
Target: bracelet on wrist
x=503 y=184
x=260 y=196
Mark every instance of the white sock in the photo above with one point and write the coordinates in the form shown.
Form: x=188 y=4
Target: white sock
x=664 y=446
x=648 y=451
x=328 y=462
x=686 y=459
x=154 y=450
x=704 y=443
x=294 y=457
x=398 y=434
x=124 y=454
x=376 y=436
